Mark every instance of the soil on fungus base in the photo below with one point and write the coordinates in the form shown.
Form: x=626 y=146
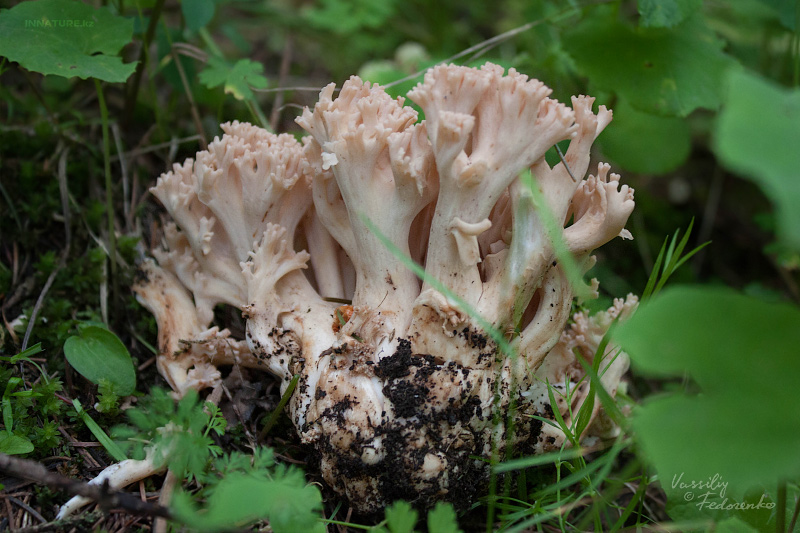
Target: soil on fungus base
x=408 y=382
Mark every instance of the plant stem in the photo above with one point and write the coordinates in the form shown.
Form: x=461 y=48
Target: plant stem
x=780 y=510
x=112 y=237
x=133 y=93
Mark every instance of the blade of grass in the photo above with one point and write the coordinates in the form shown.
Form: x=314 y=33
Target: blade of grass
x=102 y=437
x=273 y=418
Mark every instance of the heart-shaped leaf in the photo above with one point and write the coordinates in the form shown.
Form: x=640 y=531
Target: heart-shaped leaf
x=67 y=38
x=99 y=354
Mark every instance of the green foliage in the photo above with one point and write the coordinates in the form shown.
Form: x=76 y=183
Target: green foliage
x=26 y=411
x=348 y=17
x=197 y=13
x=279 y=495
x=67 y=38
x=667 y=72
x=98 y=354
x=178 y=435
x=237 y=78
x=111 y=447
x=442 y=519
x=670 y=258
x=401 y=517
x=666 y=13
x=107 y=397
x=644 y=142
x=758 y=136
x=742 y=428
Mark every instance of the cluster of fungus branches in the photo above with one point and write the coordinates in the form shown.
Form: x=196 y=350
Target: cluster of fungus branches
x=398 y=390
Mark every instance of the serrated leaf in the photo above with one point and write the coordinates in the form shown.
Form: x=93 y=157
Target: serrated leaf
x=645 y=143
x=758 y=135
x=97 y=354
x=401 y=517
x=742 y=429
x=197 y=13
x=14 y=444
x=237 y=79
x=666 y=13
x=239 y=499
x=666 y=72
x=67 y=38
x=442 y=519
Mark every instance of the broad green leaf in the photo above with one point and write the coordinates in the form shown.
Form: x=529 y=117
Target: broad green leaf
x=14 y=444
x=197 y=13
x=785 y=10
x=758 y=135
x=67 y=38
x=348 y=17
x=667 y=72
x=666 y=13
x=742 y=430
x=645 y=143
x=97 y=353
x=401 y=517
x=734 y=525
x=237 y=79
x=442 y=519
x=286 y=501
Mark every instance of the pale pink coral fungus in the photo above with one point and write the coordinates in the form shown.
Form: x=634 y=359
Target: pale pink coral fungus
x=397 y=397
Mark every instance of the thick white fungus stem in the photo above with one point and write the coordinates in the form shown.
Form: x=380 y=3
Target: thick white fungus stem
x=398 y=390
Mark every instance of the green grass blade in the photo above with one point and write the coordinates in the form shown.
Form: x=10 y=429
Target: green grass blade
x=102 y=437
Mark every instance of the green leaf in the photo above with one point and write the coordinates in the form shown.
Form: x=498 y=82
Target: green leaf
x=743 y=429
x=645 y=143
x=666 y=13
x=97 y=353
x=349 y=17
x=237 y=79
x=239 y=499
x=197 y=13
x=666 y=72
x=442 y=519
x=401 y=517
x=785 y=11
x=67 y=38
x=758 y=135
x=14 y=444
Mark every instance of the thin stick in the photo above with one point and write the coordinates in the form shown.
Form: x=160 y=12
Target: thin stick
x=105 y=498
x=112 y=235
x=198 y=124
x=283 y=72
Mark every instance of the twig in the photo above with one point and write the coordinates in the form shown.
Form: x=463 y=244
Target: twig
x=31 y=511
x=198 y=124
x=62 y=525
x=155 y=147
x=105 y=498
x=283 y=72
x=123 y=166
